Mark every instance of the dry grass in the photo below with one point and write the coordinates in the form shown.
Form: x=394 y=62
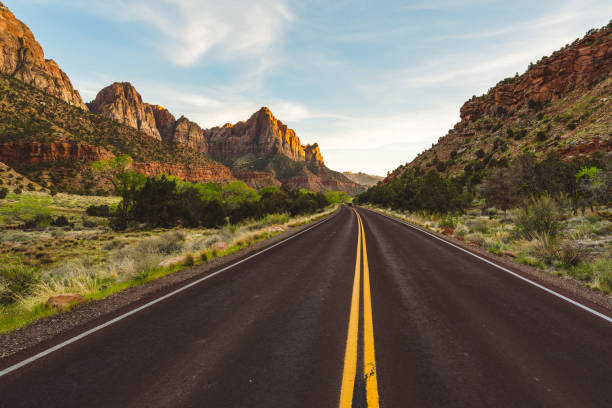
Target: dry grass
x=581 y=250
x=96 y=263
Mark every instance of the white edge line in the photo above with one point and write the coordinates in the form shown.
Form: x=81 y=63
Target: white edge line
x=552 y=292
x=149 y=304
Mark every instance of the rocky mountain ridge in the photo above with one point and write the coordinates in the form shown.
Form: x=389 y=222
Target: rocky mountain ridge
x=48 y=140
x=23 y=58
x=363 y=178
x=561 y=104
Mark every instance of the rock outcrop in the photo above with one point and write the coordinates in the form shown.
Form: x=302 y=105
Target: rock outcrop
x=23 y=58
x=561 y=105
x=189 y=133
x=164 y=121
x=362 y=178
x=215 y=172
x=122 y=103
x=313 y=153
x=261 y=135
x=40 y=152
x=578 y=66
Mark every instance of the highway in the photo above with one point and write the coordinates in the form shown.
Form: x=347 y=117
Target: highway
x=358 y=311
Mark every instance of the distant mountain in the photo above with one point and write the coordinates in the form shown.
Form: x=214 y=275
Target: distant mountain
x=363 y=178
x=561 y=104
x=50 y=135
x=261 y=151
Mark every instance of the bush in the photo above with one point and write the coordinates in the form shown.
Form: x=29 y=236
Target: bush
x=448 y=222
x=571 y=254
x=98 y=210
x=16 y=281
x=189 y=260
x=17 y=190
x=3 y=192
x=538 y=218
x=39 y=221
x=61 y=221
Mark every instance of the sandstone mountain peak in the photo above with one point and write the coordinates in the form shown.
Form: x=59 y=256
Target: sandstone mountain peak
x=122 y=103
x=23 y=58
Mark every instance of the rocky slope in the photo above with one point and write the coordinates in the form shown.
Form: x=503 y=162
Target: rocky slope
x=562 y=104
x=52 y=142
x=260 y=135
x=260 y=151
x=122 y=103
x=22 y=57
x=362 y=178
x=49 y=134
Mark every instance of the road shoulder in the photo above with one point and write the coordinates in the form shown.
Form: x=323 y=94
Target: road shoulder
x=47 y=331
x=565 y=286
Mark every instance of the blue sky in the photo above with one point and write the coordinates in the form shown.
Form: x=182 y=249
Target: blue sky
x=373 y=83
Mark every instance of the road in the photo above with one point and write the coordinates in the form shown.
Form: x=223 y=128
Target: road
x=340 y=315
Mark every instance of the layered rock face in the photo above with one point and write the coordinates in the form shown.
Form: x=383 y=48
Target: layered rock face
x=575 y=67
x=37 y=152
x=215 y=172
x=122 y=103
x=261 y=135
x=23 y=58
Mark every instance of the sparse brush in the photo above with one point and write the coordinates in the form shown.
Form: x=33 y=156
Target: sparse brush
x=189 y=260
x=461 y=231
x=16 y=280
x=570 y=254
x=539 y=218
x=475 y=238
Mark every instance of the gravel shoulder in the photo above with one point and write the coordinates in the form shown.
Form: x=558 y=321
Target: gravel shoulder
x=45 y=332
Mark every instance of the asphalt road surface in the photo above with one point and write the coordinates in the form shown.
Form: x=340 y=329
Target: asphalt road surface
x=357 y=311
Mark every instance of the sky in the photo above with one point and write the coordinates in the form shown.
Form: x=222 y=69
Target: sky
x=374 y=83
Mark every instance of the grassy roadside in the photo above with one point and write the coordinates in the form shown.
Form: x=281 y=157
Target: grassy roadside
x=582 y=251
x=95 y=262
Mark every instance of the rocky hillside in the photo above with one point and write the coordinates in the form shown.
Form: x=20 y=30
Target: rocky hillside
x=22 y=57
x=52 y=142
x=122 y=103
x=260 y=151
x=562 y=103
x=50 y=135
x=362 y=178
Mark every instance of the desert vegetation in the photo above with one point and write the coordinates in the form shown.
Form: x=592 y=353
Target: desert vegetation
x=551 y=214
x=97 y=245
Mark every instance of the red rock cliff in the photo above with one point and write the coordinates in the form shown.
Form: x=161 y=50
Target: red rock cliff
x=575 y=67
x=122 y=103
x=23 y=58
x=262 y=134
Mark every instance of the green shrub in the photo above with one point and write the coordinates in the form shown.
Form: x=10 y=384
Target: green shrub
x=602 y=268
x=16 y=281
x=17 y=190
x=98 y=210
x=39 y=221
x=189 y=260
x=478 y=225
x=61 y=221
x=540 y=217
x=582 y=272
x=448 y=222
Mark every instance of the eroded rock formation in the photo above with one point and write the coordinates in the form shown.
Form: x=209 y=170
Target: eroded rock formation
x=23 y=58
x=122 y=103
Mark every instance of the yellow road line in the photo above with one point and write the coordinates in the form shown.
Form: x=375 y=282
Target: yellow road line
x=369 y=360
x=350 y=355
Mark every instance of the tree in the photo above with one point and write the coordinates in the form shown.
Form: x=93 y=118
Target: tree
x=125 y=182
x=498 y=189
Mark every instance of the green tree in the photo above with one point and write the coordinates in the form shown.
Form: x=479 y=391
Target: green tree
x=125 y=181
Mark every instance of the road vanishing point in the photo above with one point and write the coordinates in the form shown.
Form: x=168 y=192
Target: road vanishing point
x=357 y=310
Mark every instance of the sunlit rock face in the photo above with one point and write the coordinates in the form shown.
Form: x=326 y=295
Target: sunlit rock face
x=23 y=58
x=122 y=103
x=261 y=135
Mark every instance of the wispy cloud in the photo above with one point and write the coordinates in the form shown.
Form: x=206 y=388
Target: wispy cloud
x=189 y=29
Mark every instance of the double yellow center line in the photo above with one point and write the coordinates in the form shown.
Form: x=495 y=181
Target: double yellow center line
x=350 y=356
